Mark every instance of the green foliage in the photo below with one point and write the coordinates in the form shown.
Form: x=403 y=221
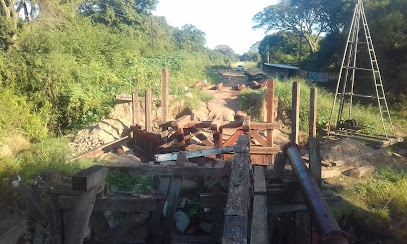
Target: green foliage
x=122 y=181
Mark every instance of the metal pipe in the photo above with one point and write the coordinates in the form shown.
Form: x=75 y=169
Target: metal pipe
x=327 y=227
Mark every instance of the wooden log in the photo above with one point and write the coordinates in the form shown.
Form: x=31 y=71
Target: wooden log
x=193 y=154
x=102 y=149
x=148 y=111
x=295 y=114
x=12 y=235
x=164 y=94
x=135 y=108
x=313 y=113
x=88 y=178
x=146 y=136
x=256 y=135
x=358 y=157
x=181 y=122
x=362 y=171
x=236 y=212
x=117 y=203
x=315 y=159
x=201 y=137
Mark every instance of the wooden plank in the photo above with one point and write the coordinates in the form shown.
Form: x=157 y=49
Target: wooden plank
x=176 y=171
x=181 y=122
x=315 y=159
x=12 y=235
x=313 y=113
x=164 y=94
x=233 y=138
x=148 y=111
x=193 y=154
x=236 y=212
x=259 y=181
x=81 y=215
x=264 y=150
x=270 y=118
x=295 y=114
x=256 y=135
x=217 y=123
x=147 y=136
x=181 y=159
x=332 y=201
x=171 y=207
x=265 y=126
x=135 y=108
x=284 y=174
x=117 y=203
x=358 y=157
x=259 y=230
x=55 y=220
x=87 y=179
x=102 y=149
x=187 y=136
x=201 y=137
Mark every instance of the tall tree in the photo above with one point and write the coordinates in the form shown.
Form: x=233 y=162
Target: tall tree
x=304 y=18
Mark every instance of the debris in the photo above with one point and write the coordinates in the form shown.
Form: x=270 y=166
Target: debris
x=362 y=171
x=397 y=155
x=357 y=158
x=181 y=221
x=182 y=203
x=205 y=227
x=111 y=221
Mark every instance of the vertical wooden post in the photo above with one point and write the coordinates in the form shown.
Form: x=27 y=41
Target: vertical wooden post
x=148 y=111
x=295 y=113
x=313 y=113
x=134 y=97
x=270 y=117
x=315 y=159
x=164 y=94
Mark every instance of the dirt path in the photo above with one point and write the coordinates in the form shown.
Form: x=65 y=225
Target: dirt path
x=226 y=101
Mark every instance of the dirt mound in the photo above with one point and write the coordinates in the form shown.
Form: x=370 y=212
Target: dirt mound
x=108 y=130
x=341 y=149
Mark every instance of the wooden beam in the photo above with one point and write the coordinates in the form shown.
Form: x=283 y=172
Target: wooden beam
x=265 y=126
x=181 y=122
x=102 y=149
x=270 y=118
x=295 y=113
x=164 y=94
x=193 y=154
x=176 y=171
x=259 y=229
x=217 y=123
x=315 y=159
x=313 y=113
x=147 y=136
x=117 y=203
x=256 y=135
x=264 y=150
x=172 y=206
x=81 y=215
x=233 y=138
x=212 y=200
x=148 y=111
x=201 y=137
x=285 y=174
x=87 y=179
x=55 y=219
x=135 y=108
x=246 y=124
x=236 y=212
x=181 y=139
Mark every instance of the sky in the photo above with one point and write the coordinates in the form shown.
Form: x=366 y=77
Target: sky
x=225 y=22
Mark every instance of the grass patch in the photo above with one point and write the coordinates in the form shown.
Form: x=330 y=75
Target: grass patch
x=125 y=182
x=365 y=115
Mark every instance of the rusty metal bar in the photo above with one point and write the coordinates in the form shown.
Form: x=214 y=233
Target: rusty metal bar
x=327 y=227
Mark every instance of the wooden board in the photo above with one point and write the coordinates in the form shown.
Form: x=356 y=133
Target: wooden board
x=201 y=137
x=259 y=229
x=264 y=150
x=87 y=179
x=13 y=234
x=181 y=122
x=102 y=149
x=176 y=171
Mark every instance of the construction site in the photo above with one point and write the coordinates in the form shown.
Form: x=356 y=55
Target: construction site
x=215 y=174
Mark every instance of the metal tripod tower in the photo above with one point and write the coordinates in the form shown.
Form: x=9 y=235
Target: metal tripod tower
x=347 y=75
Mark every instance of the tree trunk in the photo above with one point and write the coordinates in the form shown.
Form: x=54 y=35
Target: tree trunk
x=310 y=43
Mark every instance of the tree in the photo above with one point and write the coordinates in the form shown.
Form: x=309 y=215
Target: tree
x=189 y=37
x=9 y=21
x=283 y=47
x=304 y=18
